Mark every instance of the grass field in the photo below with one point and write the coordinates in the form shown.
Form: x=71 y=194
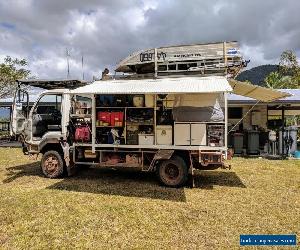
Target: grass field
x=112 y=209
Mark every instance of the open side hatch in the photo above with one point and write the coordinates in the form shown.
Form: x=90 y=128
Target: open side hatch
x=20 y=111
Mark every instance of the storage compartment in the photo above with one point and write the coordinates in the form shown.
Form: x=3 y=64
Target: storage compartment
x=190 y=134
x=215 y=135
x=146 y=139
x=133 y=159
x=182 y=135
x=164 y=135
x=111 y=158
x=198 y=134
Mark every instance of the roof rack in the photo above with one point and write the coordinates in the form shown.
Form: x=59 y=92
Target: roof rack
x=52 y=84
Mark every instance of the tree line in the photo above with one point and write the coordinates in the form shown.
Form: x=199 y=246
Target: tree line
x=287 y=76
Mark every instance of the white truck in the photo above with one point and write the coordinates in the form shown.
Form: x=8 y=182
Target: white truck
x=169 y=125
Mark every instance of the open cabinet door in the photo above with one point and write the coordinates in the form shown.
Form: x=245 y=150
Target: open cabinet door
x=19 y=114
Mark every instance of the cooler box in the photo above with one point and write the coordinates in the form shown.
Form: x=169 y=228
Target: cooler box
x=146 y=139
x=116 y=119
x=103 y=116
x=164 y=135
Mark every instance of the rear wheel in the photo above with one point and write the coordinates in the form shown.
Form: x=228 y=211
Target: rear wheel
x=52 y=164
x=173 y=172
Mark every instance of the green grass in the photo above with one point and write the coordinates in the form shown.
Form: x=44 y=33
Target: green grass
x=116 y=209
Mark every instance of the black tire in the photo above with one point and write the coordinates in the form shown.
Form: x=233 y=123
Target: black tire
x=173 y=172
x=52 y=164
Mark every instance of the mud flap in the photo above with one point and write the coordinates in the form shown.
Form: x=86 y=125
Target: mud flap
x=190 y=182
x=162 y=154
x=70 y=167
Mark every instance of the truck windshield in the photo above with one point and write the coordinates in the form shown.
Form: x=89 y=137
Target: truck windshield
x=49 y=103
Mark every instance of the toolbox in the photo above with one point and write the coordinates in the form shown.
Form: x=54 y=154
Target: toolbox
x=103 y=117
x=164 y=135
x=146 y=139
x=116 y=119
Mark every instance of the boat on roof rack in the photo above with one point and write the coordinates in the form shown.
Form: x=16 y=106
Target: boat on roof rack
x=221 y=58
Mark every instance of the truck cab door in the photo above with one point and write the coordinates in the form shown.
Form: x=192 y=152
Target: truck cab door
x=46 y=115
x=20 y=111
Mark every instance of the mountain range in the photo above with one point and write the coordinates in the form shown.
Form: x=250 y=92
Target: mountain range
x=257 y=74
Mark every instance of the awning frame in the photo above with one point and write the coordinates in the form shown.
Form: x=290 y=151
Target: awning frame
x=264 y=94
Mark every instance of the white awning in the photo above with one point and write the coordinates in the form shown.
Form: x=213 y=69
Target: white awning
x=180 y=85
x=256 y=92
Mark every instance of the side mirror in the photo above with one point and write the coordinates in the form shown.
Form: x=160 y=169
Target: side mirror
x=22 y=101
x=21 y=96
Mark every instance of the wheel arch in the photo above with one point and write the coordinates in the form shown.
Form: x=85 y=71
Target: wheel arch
x=185 y=155
x=51 y=145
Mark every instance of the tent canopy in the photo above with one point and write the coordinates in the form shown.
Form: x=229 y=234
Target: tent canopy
x=216 y=84
x=256 y=92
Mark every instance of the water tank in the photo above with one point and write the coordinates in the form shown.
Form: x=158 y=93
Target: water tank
x=253 y=142
x=238 y=143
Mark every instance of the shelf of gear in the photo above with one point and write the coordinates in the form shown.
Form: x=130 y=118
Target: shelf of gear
x=125 y=122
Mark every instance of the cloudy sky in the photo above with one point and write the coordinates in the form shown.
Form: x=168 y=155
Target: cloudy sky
x=106 y=31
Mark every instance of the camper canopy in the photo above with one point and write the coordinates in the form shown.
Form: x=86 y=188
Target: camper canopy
x=181 y=85
x=158 y=86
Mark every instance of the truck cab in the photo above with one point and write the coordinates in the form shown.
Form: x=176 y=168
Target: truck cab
x=41 y=127
x=45 y=120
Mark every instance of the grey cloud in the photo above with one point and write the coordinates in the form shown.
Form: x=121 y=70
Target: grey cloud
x=107 y=31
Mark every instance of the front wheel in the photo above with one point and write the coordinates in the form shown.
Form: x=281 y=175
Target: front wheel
x=173 y=172
x=52 y=164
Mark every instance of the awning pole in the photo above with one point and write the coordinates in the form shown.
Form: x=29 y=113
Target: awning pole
x=282 y=132
x=155 y=62
x=243 y=117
